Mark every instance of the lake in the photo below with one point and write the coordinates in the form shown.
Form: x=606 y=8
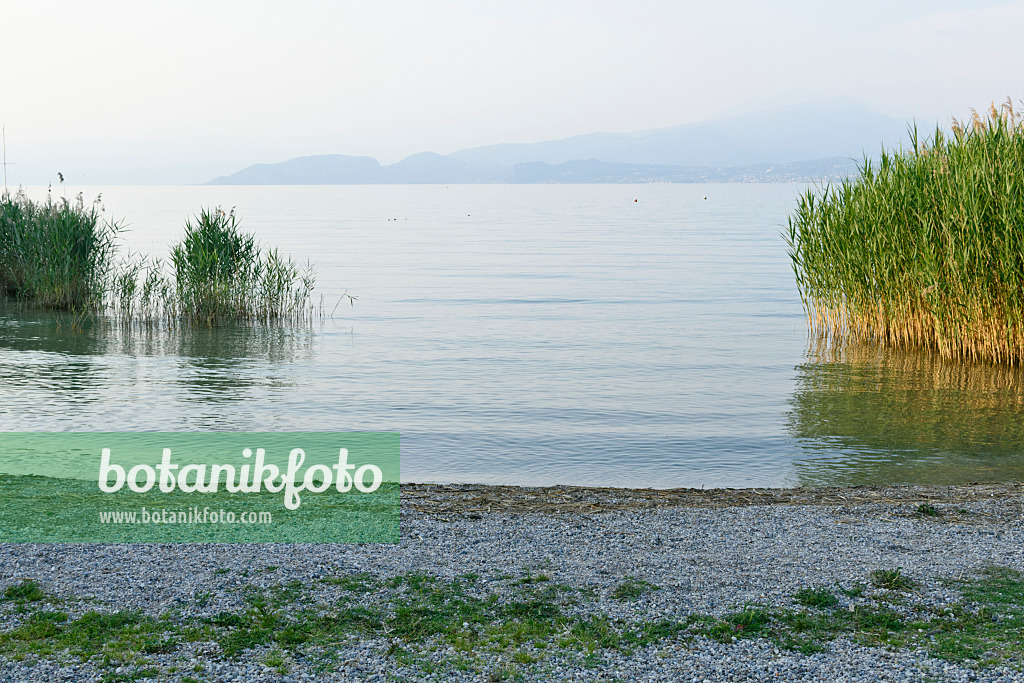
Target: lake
x=610 y=335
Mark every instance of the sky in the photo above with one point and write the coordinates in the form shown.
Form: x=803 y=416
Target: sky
x=179 y=92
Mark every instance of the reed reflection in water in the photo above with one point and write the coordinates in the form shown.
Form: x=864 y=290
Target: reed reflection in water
x=59 y=373
x=866 y=415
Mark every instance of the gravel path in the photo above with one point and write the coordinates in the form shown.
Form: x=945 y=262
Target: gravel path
x=704 y=559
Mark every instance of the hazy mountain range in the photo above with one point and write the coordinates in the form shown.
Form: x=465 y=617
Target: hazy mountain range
x=811 y=141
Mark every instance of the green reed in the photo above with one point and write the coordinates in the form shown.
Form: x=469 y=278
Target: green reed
x=926 y=247
x=217 y=273
x=55 y=254
x=221 y=273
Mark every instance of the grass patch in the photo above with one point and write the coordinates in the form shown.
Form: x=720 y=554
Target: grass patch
x=119 y=637
x=631 y=589
x=418 y=617
x=854 y=591
x=275 y=659
x=356 y=583
x=25 y=591
x=1000 y=586
x=892 y=579
x=529 y=578
x=750 y=622
x=821 y=598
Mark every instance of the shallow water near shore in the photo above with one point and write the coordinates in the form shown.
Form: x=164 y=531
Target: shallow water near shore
x=620 y=335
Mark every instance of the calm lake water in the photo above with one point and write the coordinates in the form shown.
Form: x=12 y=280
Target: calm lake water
x=617 y=335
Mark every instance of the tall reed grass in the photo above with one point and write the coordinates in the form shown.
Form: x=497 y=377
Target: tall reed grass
x=221 y=273
x=62 y=255
x=55 y=254
x=924 y=248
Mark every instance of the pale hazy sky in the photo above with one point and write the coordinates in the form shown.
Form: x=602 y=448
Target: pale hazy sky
x=182 y=91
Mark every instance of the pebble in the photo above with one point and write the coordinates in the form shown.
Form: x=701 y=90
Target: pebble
x=705 y=561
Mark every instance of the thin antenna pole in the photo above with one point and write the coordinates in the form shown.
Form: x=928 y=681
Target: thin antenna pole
x=4 y=132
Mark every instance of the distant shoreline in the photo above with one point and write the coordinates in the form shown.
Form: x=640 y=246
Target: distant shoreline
x=433 y=169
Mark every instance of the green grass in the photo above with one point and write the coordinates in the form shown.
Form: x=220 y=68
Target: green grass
x=432 y=625
x=117 y=637
x=892 y=579
x=25 y=591
x=749 y=622
x=357 y=583
x=816 y=597
x=985 y=628
x=275 y=659
x=924 y=248
x=631 y=589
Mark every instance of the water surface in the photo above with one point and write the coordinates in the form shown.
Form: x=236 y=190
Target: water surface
x=619 y=335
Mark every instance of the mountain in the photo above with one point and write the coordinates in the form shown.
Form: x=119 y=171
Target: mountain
x=428 y=167
x=593 y=171
x=339 y=169
x=810 y=141
x=833 y=127
x=322 y=169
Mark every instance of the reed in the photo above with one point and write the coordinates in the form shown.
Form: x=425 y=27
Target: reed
x=63 y=255
x=926 y=247
x=222 y=273
x=55 y=254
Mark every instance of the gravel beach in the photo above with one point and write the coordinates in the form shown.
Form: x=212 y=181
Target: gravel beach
x=626 y=556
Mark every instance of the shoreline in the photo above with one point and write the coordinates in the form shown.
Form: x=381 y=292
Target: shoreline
x=442 y=499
